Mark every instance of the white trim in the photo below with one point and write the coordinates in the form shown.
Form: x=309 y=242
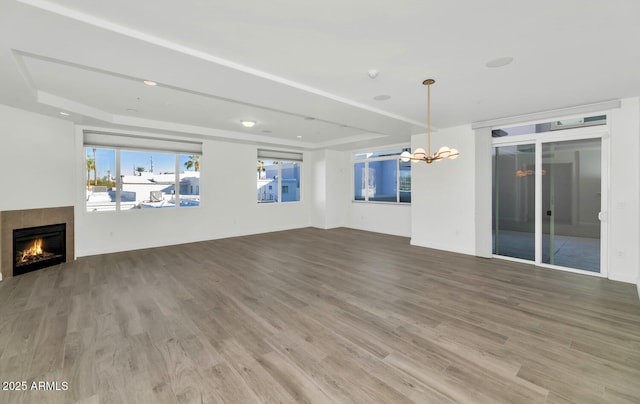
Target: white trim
x=398 y=181
x=365 y=183
x=573 y=270
x=176 y=179
x=72 y=106
x=604 y=201
x=538 y=203
x=118 y=185
x=280 y=181
x=515 y=141
x=548 y=266
x=550 y=136
x=513 y=259
x=537 y=116
x=550 y=120
x=381 y=203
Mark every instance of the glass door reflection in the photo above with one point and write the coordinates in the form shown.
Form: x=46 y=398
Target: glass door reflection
x=514 y=201
x=571 y=203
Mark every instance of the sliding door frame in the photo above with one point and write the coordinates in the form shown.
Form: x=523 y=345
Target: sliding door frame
x=538 y=139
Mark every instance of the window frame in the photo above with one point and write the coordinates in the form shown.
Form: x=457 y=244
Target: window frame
x=282 y=156
x=279 y=184
x=118 y=175
x=366 y=160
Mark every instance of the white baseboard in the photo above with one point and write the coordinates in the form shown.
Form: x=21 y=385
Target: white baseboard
x=448 y=248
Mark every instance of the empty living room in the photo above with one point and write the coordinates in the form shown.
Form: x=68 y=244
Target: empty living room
x=319 y=202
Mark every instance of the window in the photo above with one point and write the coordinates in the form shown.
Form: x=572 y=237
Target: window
x=100 y=180
x=548 y=127
x=122 y=178
x=278 y=176
x=382 y=177
x=405 y=182
x=359 y=182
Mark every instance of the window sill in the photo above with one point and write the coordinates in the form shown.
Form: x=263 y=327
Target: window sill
x=381 y=203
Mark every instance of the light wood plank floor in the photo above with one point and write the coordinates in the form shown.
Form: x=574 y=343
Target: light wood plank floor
x=322 y=316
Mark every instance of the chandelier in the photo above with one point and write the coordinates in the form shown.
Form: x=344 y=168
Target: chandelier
x=419 y=154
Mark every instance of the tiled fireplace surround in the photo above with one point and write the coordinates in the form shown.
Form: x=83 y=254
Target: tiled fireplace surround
x=19 y=219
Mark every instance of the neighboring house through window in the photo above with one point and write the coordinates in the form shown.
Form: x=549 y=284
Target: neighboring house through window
x=381 y=177
x=278 y=176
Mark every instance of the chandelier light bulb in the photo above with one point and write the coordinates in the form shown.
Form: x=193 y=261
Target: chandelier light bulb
x=444 y=152
x=419 y=154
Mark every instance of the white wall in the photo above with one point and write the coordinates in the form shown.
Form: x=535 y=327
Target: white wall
x=443 y=205
x=339 y=178
x=330 y=172
x=385 y=218
x=624 y=200
x=228 y=208
x=317 y=164
x=36 y=161
x=483 y=193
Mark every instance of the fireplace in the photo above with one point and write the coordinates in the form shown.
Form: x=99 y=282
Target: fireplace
x=11 y=220
x=38 y=247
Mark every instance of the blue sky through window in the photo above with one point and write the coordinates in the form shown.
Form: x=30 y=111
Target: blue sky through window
x=129 y=160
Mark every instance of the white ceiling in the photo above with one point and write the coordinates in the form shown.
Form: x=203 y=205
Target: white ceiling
x=281 y=61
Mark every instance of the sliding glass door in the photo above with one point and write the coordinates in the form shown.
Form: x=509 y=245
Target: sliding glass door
x=571 y=203
x=548 y=200
x=514 y=201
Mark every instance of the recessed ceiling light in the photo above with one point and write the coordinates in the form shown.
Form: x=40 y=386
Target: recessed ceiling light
x=248 y=124
x=132 y=110
x=499 y=62
x=299 y=137
x=382 y=97
x=64 y=113
x=150 y=83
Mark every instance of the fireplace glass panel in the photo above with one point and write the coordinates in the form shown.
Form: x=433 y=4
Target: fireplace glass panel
x=38 y=247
